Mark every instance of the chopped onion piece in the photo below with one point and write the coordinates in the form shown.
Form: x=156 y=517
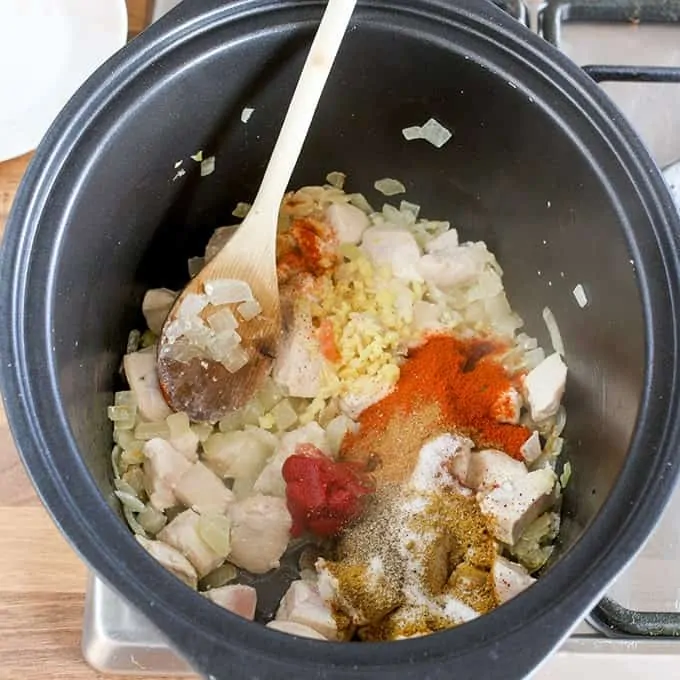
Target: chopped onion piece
x=117 y=413
x=389 y=186
x=580 y=295
x=241 y=209
x=223 y=320
x=146 y=431
x=130 y=501
x=208 y=166
x=246 y=114
x=269 y=394
x=232 y=421
x=359 y=201
x=336 y=179
x=228 y=291
x=178 y=423
x=553 y=329
x=219 y=577
x=133 y=342
x=198 y=156
x=566 y=474
x=412 y=208
x=284 y=415
x=191 y=306
x=202 y=431
x=252 y=411
x=183 y=351
x=151 y=520
x=215 y=532
x=124 y=487
x=249 y=310
x=133 y=455
x=136 y=527
x=413 y=132
x=236 y=359
x=435 y=133
x=223 y=344
x=194 y=265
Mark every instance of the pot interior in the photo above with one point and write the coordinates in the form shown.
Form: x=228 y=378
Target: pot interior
x=521 y=172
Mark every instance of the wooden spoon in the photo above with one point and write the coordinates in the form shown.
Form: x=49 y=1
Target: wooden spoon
x=192 y=378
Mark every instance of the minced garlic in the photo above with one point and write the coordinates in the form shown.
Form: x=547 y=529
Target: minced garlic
x=371 y=314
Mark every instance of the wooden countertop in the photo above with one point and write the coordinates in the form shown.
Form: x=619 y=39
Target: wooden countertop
x=42 y=582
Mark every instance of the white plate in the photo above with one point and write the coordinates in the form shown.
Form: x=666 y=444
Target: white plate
x=48 y=48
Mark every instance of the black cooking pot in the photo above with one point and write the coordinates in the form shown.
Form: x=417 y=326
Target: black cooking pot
x=541 y=166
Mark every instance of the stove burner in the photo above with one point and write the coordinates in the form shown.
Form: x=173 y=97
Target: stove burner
x=516 y=9
x=557 y=12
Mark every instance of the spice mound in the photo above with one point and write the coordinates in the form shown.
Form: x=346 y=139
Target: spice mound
x=401 y=451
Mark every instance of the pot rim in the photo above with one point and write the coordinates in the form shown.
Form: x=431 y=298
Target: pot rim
x=531 y=625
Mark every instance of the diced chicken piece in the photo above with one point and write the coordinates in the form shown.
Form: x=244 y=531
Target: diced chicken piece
x=140 y=371
x=271 y=482
x=448 y=268
x=368 y=390
x=507 y=407
x=509 y=579
x=260 y=530
x=394 y=247
x=200 y=488
x=182 y=534
x=238 y=599
x=302 y=604
x=426 y=316
x=293 y=628
x=348 y=222
x=164 y=467
x=489 y=469
x=171 y=559
x=437 y=459
x=299 y=362
x=156 y=307
x=218 y=240
x=544 y=386
x=531 y=449
x=514 y=505
x=445 y=242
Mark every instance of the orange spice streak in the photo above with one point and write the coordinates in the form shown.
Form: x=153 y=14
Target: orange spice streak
x=308 y=247
x=464 y=379
x=327 y=341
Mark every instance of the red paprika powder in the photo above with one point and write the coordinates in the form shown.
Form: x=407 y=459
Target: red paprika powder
x=465 y=380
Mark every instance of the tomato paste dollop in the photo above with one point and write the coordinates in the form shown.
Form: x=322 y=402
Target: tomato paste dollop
x=323 y=495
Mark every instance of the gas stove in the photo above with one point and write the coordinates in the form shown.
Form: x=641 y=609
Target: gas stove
x=632 y=47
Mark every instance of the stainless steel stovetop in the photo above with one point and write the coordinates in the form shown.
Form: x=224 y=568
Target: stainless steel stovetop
x=635 y=631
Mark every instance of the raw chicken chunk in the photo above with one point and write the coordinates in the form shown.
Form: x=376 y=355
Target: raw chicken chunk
x=531 y=449
x=544 y=387
x=293 y=628
x=449 y=267
x=394 y=247
x=182 y=534
x=140 y=371
x=260 y=529
x=238 y=599
x=200 y=488
x=509 y=579
x=514 y=505
x=171 y=559
x=445 y=242
x=507 y=407
x=299 y=361
x=163 y=469
x=156 y=307
x=302 y=604
x=348 y=222
x=486 y=470
x=271 y=482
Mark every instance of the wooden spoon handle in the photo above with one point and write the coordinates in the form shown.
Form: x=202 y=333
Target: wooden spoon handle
x=302 y=108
